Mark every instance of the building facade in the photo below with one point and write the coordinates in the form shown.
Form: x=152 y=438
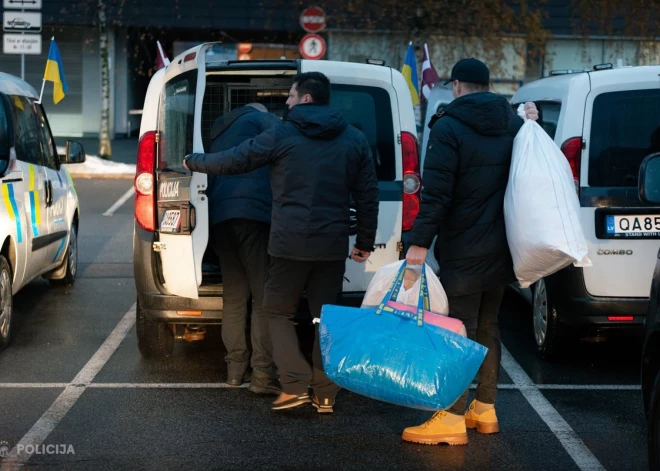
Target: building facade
x=270 y=29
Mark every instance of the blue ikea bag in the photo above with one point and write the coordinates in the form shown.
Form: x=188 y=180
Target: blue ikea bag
x=394 y=356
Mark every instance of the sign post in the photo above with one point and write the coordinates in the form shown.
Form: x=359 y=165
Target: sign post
x=16 y=24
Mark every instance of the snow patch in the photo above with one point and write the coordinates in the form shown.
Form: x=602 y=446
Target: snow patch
x=95 y=165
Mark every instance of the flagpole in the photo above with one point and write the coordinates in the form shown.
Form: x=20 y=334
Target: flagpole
x=43 y=82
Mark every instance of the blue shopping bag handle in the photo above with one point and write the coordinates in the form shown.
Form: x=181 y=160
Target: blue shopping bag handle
x=423 y=302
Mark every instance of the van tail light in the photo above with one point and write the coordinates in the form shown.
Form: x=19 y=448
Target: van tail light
x=620 y=318
x=412 y=181
x=572 y=149
x=145 y=214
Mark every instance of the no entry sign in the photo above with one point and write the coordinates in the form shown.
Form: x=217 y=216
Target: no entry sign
x=312 y=46
x=312 y=20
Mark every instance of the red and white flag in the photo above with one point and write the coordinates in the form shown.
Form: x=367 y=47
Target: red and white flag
x=161 y=59
x=429 y=75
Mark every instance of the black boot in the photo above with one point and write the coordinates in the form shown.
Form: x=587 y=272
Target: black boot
x=263 y=384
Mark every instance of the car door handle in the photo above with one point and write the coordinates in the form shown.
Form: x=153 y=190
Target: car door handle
x=49 y=193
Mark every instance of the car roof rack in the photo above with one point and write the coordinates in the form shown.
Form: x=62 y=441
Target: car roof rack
x=605 y=66
x=567 y=71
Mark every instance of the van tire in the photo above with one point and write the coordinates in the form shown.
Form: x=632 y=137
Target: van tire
x=155 y=339
x=548 y=333
x=6 y=302
x=70 y=261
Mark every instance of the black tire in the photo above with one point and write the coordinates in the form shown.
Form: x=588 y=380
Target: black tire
x=155 y=339
x=654 y=427
x=549 y=335
x=6 y=304
x=71 y=261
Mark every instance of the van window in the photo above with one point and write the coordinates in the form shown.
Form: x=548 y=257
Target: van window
x=549 y=116
x=27 y=140
x=625 y=128
x=369 y=110
x=176 y=120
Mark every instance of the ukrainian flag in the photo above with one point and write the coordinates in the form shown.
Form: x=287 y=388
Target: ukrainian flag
x=55 y=72
x=409 y=72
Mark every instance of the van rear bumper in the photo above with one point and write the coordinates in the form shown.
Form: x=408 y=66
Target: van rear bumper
x=575 y=306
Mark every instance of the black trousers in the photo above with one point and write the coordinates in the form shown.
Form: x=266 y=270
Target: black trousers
x=242 y=247
x=479 y=314
x=286 y=281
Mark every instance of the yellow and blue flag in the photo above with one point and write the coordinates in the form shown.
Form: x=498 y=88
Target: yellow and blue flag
x=409 y=72
x=55 y=72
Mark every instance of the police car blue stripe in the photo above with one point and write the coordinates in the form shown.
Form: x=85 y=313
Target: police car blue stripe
x=59 y=250
x=17 y=216
x=33 y=216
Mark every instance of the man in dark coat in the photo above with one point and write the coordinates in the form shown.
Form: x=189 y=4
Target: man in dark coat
x=317 y=163
x=466 y=172
x=239 y=217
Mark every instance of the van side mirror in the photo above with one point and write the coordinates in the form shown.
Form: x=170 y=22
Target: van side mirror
x=5 y=143
x=649 y=179
x=75 y=153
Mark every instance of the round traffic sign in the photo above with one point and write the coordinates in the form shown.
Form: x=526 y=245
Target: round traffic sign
x=312 y=20
x=312 y=46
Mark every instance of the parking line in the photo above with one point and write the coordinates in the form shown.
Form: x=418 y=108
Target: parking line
x=34 y=385
x=584 y=459
x=167 y=385
x=56 y=412
x=125 y=197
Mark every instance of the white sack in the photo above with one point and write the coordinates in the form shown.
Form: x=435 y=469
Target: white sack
x=382 y=280
x=541 y=208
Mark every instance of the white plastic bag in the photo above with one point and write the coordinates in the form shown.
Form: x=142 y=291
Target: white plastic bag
x=541 y=208
x=382 y=280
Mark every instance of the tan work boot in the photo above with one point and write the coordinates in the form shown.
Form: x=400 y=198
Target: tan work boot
x=443 y=427
x=482 y=417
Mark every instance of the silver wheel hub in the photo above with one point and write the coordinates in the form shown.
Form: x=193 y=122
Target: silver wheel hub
x=6 y=304
x=540 y=313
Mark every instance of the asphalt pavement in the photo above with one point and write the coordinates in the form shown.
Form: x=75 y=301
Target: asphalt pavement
x=74 y=379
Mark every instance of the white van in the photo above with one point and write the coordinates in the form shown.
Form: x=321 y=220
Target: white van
x=39 y=213
x=179 y=286
x=605 y=121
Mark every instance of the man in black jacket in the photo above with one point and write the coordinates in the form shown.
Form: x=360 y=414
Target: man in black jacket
x=317 y=163
x=239 y=218
x=466 y=172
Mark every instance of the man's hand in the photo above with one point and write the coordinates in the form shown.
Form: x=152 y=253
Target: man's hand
x=531 y=111
x=416 y=255
x=360 y=256
x=184 y=164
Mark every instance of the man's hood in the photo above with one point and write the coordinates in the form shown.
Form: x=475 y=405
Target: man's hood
x=223 y=122
x=485 y=112
x=317 y=121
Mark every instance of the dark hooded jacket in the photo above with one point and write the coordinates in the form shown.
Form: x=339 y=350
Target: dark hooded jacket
x=466 y=171
x=317 y=163
x=240 y=196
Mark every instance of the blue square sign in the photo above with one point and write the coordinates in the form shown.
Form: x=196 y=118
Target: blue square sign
x=610 y=225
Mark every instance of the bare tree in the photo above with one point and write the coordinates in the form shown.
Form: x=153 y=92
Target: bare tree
x=105 y=148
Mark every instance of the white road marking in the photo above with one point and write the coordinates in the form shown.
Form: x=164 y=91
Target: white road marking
x=34 y=385
x=125 y=197
x=47 y=423
x=166 y=385
x=584 y=459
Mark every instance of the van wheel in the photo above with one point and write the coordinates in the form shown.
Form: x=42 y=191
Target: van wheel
x=6 y=304
x=155 y=339
x=548 y=333
x=71 y=261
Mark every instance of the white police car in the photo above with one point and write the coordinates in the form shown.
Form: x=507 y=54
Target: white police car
x=38 y=203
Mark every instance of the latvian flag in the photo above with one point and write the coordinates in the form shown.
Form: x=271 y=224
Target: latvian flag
x=429 y=75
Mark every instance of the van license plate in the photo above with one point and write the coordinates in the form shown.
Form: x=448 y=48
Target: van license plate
x=171 y=221
x=631 y=226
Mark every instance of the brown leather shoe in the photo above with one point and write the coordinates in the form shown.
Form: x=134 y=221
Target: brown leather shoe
x=289 y=401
